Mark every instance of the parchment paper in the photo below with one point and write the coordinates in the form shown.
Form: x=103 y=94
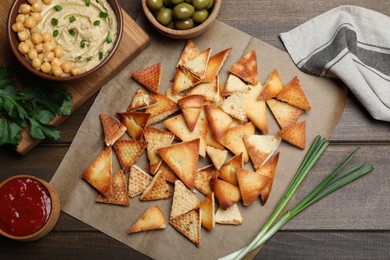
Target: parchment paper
x=78 y=198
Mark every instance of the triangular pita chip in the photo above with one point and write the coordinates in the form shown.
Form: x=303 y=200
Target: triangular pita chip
x=98 y=173
x=190 y=51
x=227 y=194
x=273 y=86
x=149 y=77
x=284 y=113
x=138 y=181
x=183 y=200
x=141 y=100
x=294 y=95
x=207 y=208
x=246 y=68
x=218 y=120
x=189 y=225
x=234 y=84
x=231 y=215
x=112 y=129
x=156 y=138
x=215 y=64
x=134 y=122
x=164 y=108
x=209 y=90
x=228 y=169
x=295 y=134
x=211 y=141
x=217 y=156
x=172 y=96
x=233 y=139
x=198 y=64
x=191 y=107
x=268 y=170
x=153 y=218
x=251 y=184
x=167 y=172
x=182 y=158
x=203 y=177
x=234 y=105
x=118 y=194
x=183 y=80
x=193 y=101
x=157 y=189
x=128 y=152
x=256 y=110
x=261 y=147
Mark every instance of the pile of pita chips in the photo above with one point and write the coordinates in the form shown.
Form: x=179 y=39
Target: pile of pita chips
x=119 y=192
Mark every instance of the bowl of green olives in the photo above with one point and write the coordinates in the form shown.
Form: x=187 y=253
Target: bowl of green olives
x=181 y=19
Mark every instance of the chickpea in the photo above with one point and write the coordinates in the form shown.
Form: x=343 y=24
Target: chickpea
x=36 y=16
x=56 y=62
x=25 y=8
x=46 y=37
x=39 y=47
x=30 y=43
x=48 y=46
x=75 y=70
x=36 y=7
x=18 y=27
x=23 y=48
x=35 y=29
x=46 y=67
x=36 y=38
x=66 y=66
x=30 y=22
x=47 y=2
x=48 y=56
x=20 y=18
x=23 y=35
x=40 y=57
x=32 y=54
x=36 y=63
x=57 y=71
x=32 y=1
x=58 y=51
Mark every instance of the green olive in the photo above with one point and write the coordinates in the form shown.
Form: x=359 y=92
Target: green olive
x=200 y=4
x=176 y=2
x=211 y=4
x=200 y=16
x=183 y=11
x=154 y=5
x=164 y=16
x=184 y=24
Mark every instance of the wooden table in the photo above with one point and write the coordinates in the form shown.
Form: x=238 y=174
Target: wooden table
x=352 y=223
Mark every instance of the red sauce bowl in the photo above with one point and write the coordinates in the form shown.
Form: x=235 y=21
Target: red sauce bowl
x=29 y=208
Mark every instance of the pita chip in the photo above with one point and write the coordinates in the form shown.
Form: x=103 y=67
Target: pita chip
x=134 y=122
x=218 y=120
x=284 y=113
x=172 y=96
x=164 y=108
x=273 y=86
x=167 y=172
x=183 y=80
x=231 y=215
x=182 y=158
x=209 y=90
x=128 y=152
x=141 y=100
x=157 y=189
x=229 y=168
x=156 y=138
x=251 y=185
x=294 y=95
x=203 y=177
x=255 y=109
x=227 y=194
x=234 y=84
x=246 y=68
x=190 y=51
x=98 y=173
x=191 y=107
x=118 y=194
x=234 y=106
x=138 y=181
x=189 y=225
x=112 y=129
x=215 y=64
x=211 y=141
x=295 y=134
x=183 y=200
x=268 y=170
x=217 y=156
x=233 y=139
x=261 y=147
x=153 y=218
x=207 y=209
x=198 y=64
x=149 y=77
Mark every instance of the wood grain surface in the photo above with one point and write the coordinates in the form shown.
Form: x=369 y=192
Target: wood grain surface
x=353 y=223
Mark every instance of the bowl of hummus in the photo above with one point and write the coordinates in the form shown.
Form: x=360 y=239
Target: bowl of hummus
x=64 y=40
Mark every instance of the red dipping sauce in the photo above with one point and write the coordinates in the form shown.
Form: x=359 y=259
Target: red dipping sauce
x=25 y=206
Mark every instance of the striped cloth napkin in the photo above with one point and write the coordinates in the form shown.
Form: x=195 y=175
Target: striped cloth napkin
x=353 y=44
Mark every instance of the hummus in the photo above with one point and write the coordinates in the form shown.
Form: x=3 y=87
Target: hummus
x=86 y=30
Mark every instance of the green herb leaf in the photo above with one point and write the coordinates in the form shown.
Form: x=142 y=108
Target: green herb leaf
x=58 y=8
x=103 y=15
x=109 y=39
x=87 y=2
x=72 y=32
x=100 y=55
x=54 y=21
x=55 y=33
x=79 y=57
x=82 y=44
x=72 y=19
x=96 y=23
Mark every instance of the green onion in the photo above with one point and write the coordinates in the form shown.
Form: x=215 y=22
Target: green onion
x=87 y=2
x=82 y=44
x=72 y=19
x=54 y=21
x=100 y=55
x=58 y=8
x=89 y=59
x=72 y=32
x=103 y=15
x=78 y=58
x=333 y=182
x=97 y=22
x=109 y=39
x=55 y=33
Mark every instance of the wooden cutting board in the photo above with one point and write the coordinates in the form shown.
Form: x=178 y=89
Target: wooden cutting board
x=134 y=40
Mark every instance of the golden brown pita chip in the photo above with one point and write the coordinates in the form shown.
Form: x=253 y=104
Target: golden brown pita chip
x=273 y=86
x=284 y=113
x=234 y=106
x=295 y=134
x=203 y=177
x=246 y=68
x=294 y=95
x=149 y=77
x=118 y=194
x=268 y=170
x=227 y=194
x=190 y=51
x=251 y=184
x=98 y=173
x=141 y=100
x=134 y=122
x=156 y=138
x=215 y=64
x=191 y=107
x=182 y=158
x=183 y=200
x=233 y=139
x=234 y=84
x=230 y=216
x=207 y=209
x=167 y=172
x=138 y=181
x=112 y=129
x=261 y=147
x=164 y=108
x=172 y=96
x=198 y=64
x=218 y=120
x=211 y=141
x=157 y=189
x=189 y=225
x=209 y=90
x=256 y=110
x=217 y=156
x=183 y=80
x=153 y=218
x=128 y=152
x=228 y=169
